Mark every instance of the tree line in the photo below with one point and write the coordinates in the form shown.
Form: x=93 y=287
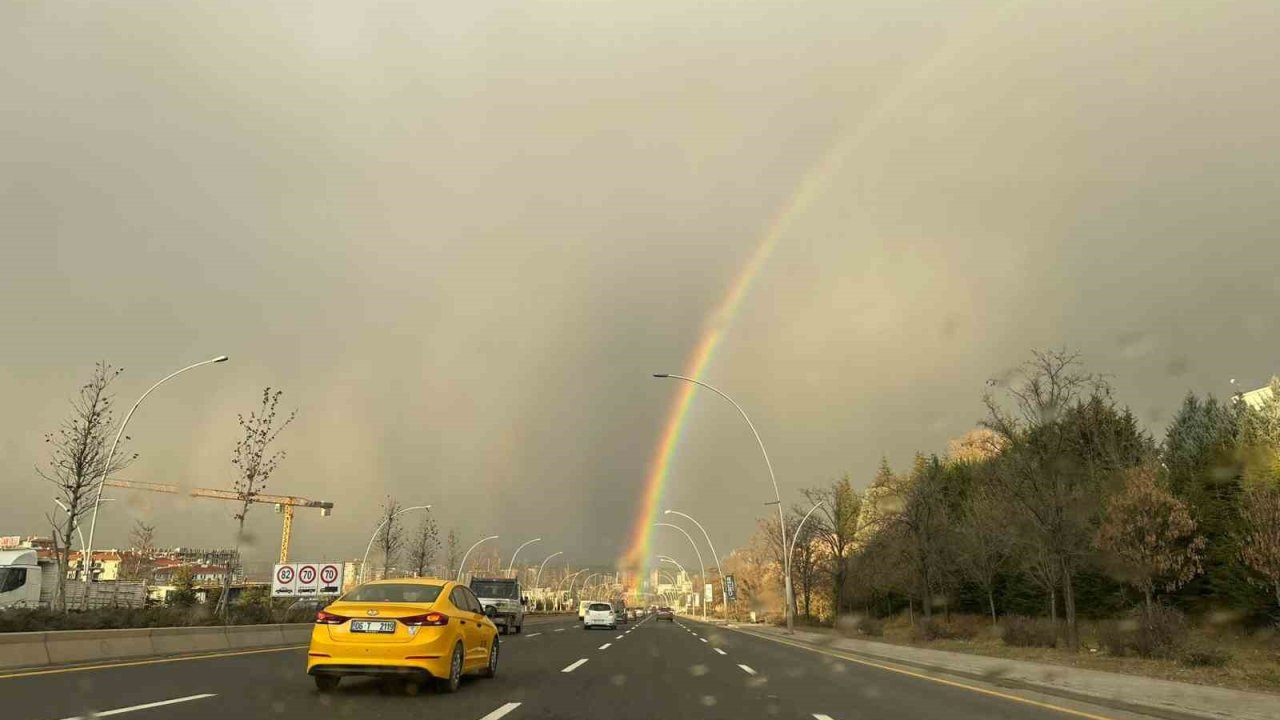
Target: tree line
x=1059 y=505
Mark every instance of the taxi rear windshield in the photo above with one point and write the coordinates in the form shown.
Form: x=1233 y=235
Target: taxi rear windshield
x=397 y=592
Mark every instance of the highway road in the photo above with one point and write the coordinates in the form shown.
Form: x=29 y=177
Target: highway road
x=646 y=669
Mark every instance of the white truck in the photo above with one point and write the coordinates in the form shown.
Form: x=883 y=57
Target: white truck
x=26 y=582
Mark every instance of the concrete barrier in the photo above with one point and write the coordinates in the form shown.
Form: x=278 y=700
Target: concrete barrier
x=185 y=640
x=67 y=647
x=24 y=649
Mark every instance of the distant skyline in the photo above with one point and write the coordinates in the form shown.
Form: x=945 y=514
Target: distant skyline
x=461 y=238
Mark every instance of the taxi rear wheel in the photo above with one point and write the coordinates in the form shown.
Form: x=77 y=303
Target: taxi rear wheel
x=327 y=683
x=450 y=684
x=491 y=669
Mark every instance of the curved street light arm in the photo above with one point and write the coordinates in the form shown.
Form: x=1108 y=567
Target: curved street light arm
x=97 y=495
x=463 y=564
x=517 y=552
x=702 y=568
x=364 y=562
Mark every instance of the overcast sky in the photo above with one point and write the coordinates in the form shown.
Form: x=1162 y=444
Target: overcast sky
x=460 y=237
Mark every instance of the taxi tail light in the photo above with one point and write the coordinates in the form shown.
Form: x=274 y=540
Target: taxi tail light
x=431 y=619
x=326 y=618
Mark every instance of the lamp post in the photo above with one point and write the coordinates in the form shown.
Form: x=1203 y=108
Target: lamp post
x=463 y=564
x=517 y=552
x=782 y=523
x=538 y=578
x=364 y=562
x=714 y=555
x=701 y=568
x=97 y=496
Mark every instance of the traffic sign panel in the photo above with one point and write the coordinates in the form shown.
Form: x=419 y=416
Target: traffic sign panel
x=330 y=578
x=307 y=576
x=284 y=580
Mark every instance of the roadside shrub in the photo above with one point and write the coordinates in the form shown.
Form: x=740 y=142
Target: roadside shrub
x=1158 y=635
x=871 y=627
x=959 y=627
x=1029 y=632
x=1205 y=657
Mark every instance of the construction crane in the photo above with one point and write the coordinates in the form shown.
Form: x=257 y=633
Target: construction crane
x=284 y=504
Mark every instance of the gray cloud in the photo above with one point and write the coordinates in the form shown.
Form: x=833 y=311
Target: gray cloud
x=460 y=238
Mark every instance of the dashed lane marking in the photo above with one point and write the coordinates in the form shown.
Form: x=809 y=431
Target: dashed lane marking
x=575 y=665
x=145 y=706
x=604 y=646
x=703 y=639
x=720 y=651
x=820 y=716
x=500 y=712
x=747 y=669
x=531 y=635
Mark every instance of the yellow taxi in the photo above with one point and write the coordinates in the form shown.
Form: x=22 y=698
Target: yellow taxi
x=414 y=629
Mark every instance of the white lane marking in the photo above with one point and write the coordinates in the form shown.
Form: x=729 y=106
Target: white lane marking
x=559 y=629
x=146 y=706
x=703 y=639
x=620 y=636
x=531 y=635
x=506 y=709
x=746 y=669
x=820 y=716
x=720 y=651
x=604 y=646
x=694 y=633
x=575 y=665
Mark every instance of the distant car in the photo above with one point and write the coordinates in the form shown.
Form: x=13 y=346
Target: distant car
x=599 y=614
x=621 y=614
x=634 y=613
x=414 y=629
x=309 y=605
x=582 y=610
x=666 y=613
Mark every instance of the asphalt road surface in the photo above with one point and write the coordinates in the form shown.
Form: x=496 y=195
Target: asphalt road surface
x=645 y=669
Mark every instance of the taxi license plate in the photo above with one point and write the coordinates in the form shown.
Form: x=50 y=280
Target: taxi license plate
x=373 y=626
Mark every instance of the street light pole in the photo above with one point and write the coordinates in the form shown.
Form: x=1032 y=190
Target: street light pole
x=538 y=578
x=97 y=496
x=702 y=568
x=782 y=523
x=791 y=550
x=714 y=555
x=364 y=562
x=463 y=564
x=517 y=552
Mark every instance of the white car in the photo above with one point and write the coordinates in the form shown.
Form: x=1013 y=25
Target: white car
x=599 y=614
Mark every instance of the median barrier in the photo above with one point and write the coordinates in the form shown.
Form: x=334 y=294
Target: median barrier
x=69 y=647
x=79 y=646
x=182 y=640
x=23 y=649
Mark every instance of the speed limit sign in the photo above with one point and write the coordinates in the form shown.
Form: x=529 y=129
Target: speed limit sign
x=307 y=575
x=330 y=579
x=284 y=580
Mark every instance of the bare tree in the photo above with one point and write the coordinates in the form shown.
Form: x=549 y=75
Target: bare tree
x=985 y=542
x=1063 y=439
x=390 y=537
x=836 y=525
x=424 y=545
x=1151 y=536
x=255 y=462
x=142 y=549
x=1260 y=546
x=77 y=460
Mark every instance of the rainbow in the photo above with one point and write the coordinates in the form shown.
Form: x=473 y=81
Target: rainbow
x=639 y=553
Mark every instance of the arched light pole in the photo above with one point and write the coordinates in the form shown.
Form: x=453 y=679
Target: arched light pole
x=792 y=549
x=673 y=561
x=463 y=564
x=538 y=578
x=585 y=582
x=701 y=568
x=517 y=552
x=714 y=555
x=97 y=496
x=782 y=523
x=364 y=562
